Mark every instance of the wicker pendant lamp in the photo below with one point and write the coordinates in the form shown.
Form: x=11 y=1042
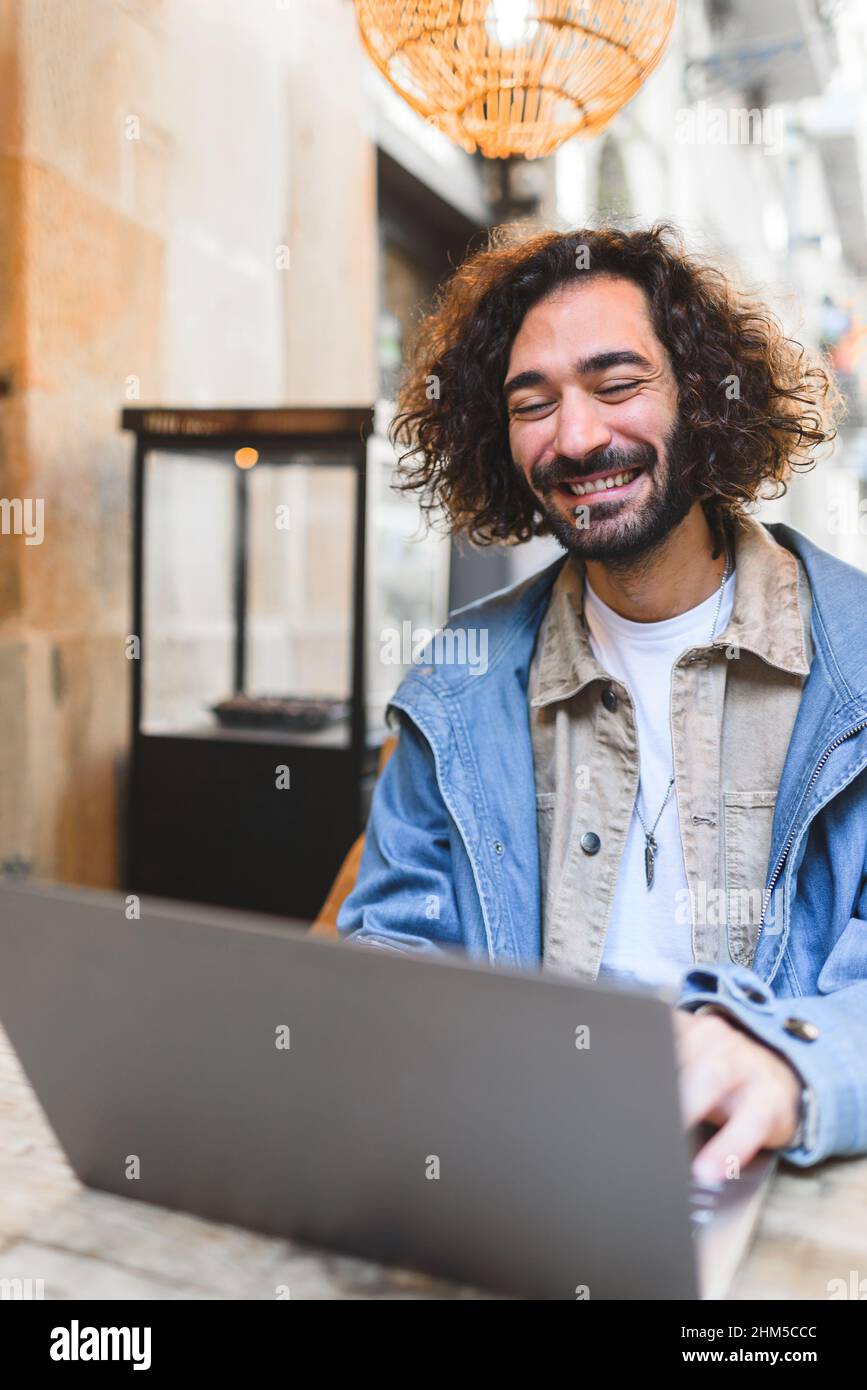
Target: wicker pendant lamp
x=516 y=77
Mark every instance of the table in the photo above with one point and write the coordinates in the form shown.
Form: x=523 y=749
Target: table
x=86 y=1245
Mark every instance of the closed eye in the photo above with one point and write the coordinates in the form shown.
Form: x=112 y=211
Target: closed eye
x=621 y=386
x=605 y=391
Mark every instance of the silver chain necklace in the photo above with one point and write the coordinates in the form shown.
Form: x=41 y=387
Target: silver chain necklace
x=651 y=846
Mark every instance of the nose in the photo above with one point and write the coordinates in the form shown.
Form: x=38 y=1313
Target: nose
x=580 y=427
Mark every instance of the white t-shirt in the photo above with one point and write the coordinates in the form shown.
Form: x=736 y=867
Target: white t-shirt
x=646 y=943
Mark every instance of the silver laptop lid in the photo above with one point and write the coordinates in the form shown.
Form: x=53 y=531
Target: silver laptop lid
x=509 y=1131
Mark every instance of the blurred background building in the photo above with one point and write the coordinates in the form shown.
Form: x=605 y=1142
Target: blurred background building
x=226 y=205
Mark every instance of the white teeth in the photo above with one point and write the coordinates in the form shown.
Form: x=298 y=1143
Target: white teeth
x=602 y=484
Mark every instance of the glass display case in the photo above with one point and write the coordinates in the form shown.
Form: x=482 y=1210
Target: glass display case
x=259 y=684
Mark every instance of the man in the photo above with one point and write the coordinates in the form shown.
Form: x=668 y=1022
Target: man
x=660 y=772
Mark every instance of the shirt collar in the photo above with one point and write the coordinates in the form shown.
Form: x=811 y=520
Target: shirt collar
x=766 y=617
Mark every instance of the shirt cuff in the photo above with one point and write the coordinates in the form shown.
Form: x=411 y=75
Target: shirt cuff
x=746 y=1002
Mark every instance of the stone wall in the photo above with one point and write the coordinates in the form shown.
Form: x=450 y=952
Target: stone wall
x=156 y=157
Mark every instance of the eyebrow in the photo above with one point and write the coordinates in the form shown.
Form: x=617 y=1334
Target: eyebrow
x=597 y=363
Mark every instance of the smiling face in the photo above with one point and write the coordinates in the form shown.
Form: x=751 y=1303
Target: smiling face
x=592 y=399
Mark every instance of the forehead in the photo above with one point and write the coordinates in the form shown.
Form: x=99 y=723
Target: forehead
x=581 y=318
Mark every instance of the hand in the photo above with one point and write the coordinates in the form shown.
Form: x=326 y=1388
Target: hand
x=730 y=1079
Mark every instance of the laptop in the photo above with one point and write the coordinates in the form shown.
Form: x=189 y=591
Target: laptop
x=503 y=1129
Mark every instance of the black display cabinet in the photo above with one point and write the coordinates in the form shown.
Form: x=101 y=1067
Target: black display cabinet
x=252 y=762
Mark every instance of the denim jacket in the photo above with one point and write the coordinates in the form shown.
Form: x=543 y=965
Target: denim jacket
x=451 y=855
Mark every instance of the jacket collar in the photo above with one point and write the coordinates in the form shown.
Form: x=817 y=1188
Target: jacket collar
x=766 y=618
x=511 y=616
x=839 y=602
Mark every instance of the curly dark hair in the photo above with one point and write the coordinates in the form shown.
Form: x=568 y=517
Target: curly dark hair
x=456 y=434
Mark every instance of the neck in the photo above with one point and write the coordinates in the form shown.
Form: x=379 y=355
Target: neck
x=677 y=576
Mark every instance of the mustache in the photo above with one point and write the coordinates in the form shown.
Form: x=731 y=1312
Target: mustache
x=546 y=476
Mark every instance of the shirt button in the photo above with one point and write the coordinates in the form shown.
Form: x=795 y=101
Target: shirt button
x=590 y=842
x=801 y=1028
x=609 y=698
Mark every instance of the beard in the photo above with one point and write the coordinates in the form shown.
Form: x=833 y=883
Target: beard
x=624 y=537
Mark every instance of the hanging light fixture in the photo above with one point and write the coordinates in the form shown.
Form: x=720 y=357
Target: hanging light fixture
x=516 y=77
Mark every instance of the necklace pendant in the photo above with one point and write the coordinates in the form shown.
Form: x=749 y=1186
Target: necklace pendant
x=648 y=860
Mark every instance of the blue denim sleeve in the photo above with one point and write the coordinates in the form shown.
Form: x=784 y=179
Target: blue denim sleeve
x=404 y=897
x=823 y=1036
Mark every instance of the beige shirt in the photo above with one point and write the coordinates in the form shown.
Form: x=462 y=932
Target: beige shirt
x=733 y=707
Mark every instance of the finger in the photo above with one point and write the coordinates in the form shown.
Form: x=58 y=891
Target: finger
x=710 y=1076
x=696 y=1034
x=700 y=1034
x=709 y=1037
x=683 y=1021
x=728 y=1152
